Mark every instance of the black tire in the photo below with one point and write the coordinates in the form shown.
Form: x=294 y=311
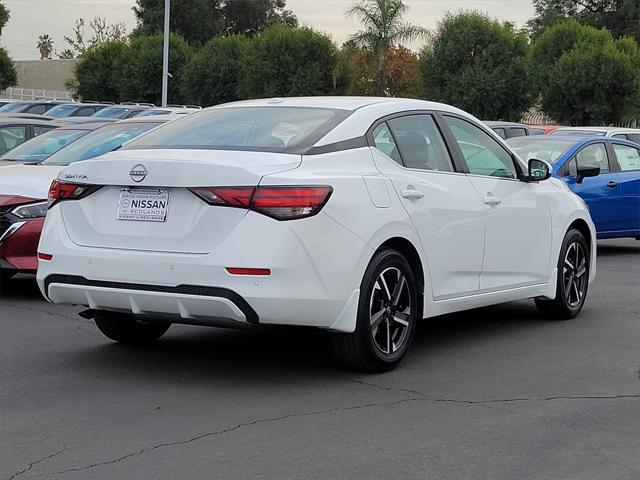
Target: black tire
x=568 y=304
x=360 y=350
x=126 y=329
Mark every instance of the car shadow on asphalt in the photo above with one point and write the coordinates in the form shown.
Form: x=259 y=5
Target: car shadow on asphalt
x=201 y=354
x=621 y=247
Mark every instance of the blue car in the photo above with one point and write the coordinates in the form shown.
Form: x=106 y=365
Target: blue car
x=604 y=171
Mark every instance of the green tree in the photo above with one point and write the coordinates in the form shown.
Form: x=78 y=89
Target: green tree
x=555 y=42
x=621 y=17
x=384 y=27
x=8 y=76
x=478 y=64
x=98 y=75
x=141 y=73
x=215 y=72
x=250 y=17
x=195 y=20
x=4 y=17
x=286 y=61
x=594 y=83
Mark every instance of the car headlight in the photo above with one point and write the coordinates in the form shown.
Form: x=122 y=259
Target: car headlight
x=32 y=210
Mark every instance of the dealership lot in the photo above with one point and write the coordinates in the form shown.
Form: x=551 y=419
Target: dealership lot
x=491 y=393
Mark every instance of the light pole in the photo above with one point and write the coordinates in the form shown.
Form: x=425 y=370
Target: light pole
x=165 y=53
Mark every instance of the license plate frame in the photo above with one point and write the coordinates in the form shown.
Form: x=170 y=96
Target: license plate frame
x=143 y=204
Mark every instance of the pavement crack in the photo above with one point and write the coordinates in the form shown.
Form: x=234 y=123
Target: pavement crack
x=32 y=464
x=41 y=310
x=230 y=429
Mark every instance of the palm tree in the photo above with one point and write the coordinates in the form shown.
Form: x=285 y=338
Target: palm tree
x=384 y=27
x=45 y=46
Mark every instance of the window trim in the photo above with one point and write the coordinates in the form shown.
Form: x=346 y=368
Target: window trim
x=520 y=174
x=457 y=166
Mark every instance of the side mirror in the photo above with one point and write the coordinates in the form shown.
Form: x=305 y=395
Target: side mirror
x=587 y=171
x=539 y=170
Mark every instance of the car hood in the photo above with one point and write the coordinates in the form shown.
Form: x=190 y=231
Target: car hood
x=31 y=181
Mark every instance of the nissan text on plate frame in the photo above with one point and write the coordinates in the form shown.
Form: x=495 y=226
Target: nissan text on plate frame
x=358 y=216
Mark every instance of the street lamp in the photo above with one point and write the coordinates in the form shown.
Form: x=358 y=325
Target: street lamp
x=165 y=53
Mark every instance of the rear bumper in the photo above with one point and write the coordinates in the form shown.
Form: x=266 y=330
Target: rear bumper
x=316 y=267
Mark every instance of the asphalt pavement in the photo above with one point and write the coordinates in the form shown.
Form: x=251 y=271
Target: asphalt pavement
x=494 y=393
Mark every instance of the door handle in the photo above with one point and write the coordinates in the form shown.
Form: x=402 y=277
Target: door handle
x=412 y=194
x=491 y=201
x=612 y=184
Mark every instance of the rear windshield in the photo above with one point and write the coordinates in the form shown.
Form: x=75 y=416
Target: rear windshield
x=545 y=149
x=114 y=112
x=44 y=145
x=99 y=142
x=61 y=111
x=12 y=107
x=268 y=129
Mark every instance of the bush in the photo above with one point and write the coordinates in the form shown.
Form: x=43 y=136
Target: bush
x=595 y=83
x=287 y=61
x=141 y=71
x=98 y=74
x=583 y=76
x=215 y=73
x=479 y=65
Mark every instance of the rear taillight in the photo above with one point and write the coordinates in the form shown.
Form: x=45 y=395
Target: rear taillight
x=226 y=196
x=279 y=202
x=59 y=191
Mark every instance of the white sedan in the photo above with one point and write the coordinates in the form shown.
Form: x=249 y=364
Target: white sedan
x=359 y=216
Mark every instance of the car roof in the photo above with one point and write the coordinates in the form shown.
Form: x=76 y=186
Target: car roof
x=497 y=123
x=83 y=126
x=26 y=121
x=153 y=119
x=576 y=140
x=340 y=103
x=600 y=129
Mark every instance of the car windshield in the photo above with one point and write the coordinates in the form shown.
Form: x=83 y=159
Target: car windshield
x=112 y=112
x=270 y=129
x=43 y=146
x=547 y=150
x=99 y=142
x=12 y=107
x=581 y=133
x=61 y=111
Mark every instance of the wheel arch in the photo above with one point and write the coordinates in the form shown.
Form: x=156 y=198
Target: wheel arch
x=583 y=227
x=410 y=252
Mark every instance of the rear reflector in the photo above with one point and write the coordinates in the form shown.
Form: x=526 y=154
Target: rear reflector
x=45 y=256
x=249 y=271
x=279 y=202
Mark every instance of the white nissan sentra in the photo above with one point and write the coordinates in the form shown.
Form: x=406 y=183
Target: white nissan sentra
x=359 y=216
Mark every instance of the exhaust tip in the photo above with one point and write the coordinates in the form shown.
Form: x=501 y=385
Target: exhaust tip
x=88 y=314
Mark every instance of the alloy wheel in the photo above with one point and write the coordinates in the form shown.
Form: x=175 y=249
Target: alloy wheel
x=390 y=311
x=574 y=274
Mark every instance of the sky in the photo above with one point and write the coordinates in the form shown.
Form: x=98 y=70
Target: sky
x=31 y=18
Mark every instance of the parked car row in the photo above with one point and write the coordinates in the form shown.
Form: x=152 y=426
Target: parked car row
x=366 y=214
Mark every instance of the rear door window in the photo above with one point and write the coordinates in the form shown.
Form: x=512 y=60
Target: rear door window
x=628 y=157
x=420 y=143
x=37 y=109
